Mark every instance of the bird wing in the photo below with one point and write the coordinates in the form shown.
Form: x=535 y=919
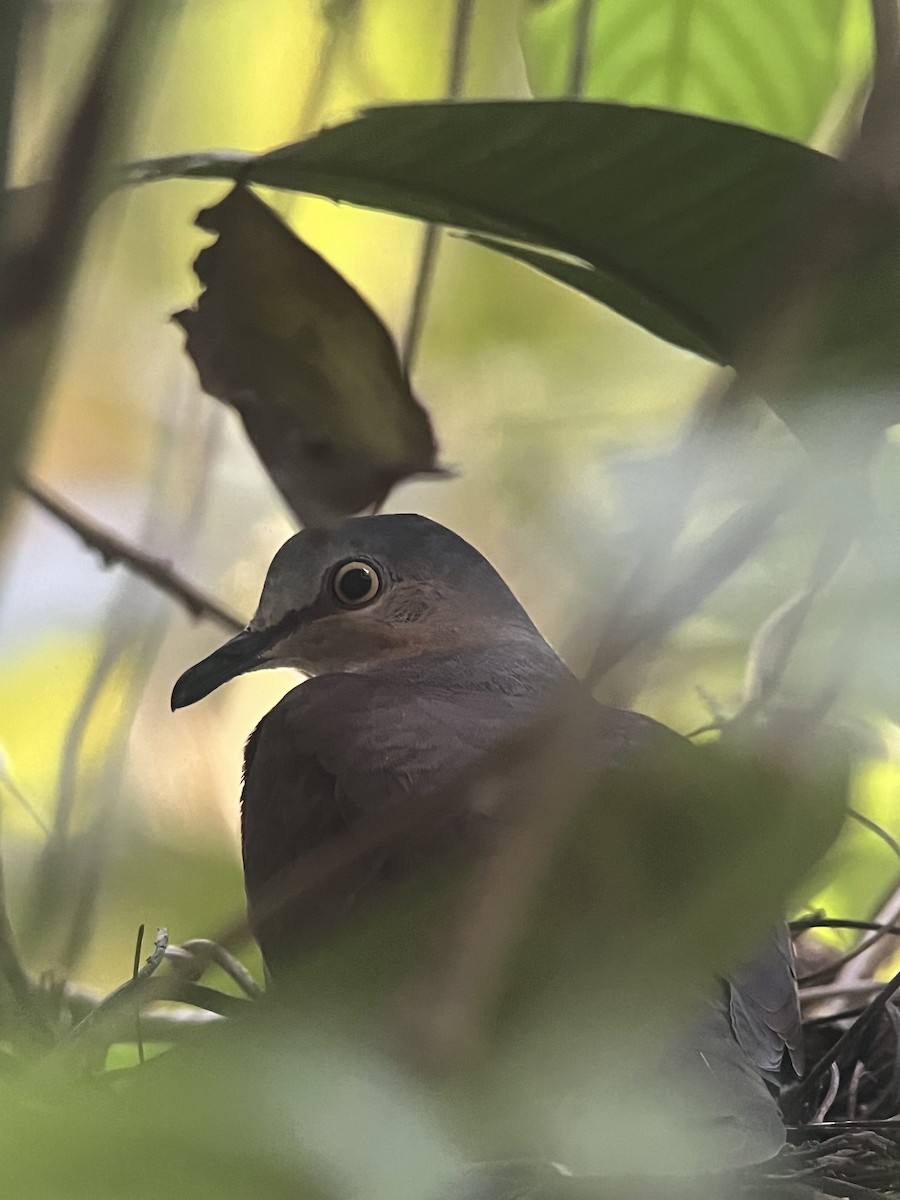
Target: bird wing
x=764 y=1009
x=339 y=746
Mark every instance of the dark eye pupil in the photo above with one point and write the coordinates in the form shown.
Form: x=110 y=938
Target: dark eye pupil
x=355 y=584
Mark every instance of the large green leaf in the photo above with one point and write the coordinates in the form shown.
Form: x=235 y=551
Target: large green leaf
x=769 y=64
x=680 y=220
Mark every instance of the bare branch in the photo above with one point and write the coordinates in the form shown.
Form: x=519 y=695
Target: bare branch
x=115 y=549
x=339 y=20
x=130 y=990
x=207 y=1002
x=139 y=1037
x=13 y=972
x=844 y=1049
x=870 y=958
x=582 y=28
x=459 y=44
x=828 y=1099
x=195 y=956
x=838 y=991
x=725 y=551
x=188 y=1007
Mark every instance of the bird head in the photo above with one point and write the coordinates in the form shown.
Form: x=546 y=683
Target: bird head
x=375 y=589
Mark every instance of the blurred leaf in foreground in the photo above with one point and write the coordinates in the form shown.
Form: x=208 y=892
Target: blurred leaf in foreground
x=311 y=369
x=261 y=1108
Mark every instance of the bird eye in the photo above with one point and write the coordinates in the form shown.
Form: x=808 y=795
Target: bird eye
x=356 y=583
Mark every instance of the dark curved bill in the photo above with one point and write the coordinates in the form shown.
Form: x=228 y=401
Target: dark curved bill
x=243 y=653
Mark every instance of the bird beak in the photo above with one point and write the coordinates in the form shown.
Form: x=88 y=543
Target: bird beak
x=245 y=652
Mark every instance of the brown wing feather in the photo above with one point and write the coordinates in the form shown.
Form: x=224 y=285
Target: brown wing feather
x=338 y=746
x=764 y=1007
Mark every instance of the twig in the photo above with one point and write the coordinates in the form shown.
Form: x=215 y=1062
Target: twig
x=724 y=552
x=174 y=461
x=835 y=966
x=776 y=639
x=853 y=1090
x=114 y=549
x=338 y=16
x=877 y=829
x=194 y=1005
x=37 y=262
x=870 y=958
x=130 y=990
x=13 y=972
x=7 y=782
x=838 y=991
x=582 y=28
x=848 y=1041
x=193 y=958
x=885 y=1125
x=15 y=19
x=842 y=1189
x=804 y=923
x=834 y=1084
x=134 y=974
x=459 y=44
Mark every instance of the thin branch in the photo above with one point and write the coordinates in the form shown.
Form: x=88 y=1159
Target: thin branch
x=834 y=1084
x=582 y=29
x=139 y=1037
x=776 y=639
x=128 y=991
x=459 y=45
x=838 y=991
x=12 y=970
x=727 y=549
x=853 y=1090
x=866 y=963
x=862 y=947
x=804 y=923
x=198 y=1006
x=195 y=956
x=115 y=549
x=9 y=784
x=847 y=1043
x=339 y=16
x=124 y=642
x=38 y=259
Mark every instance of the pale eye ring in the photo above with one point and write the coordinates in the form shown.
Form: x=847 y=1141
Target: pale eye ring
x=356 y=583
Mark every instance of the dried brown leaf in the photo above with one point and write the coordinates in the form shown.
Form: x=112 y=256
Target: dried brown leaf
x=280 y=336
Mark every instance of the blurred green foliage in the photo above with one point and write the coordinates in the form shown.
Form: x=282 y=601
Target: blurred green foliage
x=774 y=67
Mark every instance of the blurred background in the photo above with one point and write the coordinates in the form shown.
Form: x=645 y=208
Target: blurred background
x=558 y=417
